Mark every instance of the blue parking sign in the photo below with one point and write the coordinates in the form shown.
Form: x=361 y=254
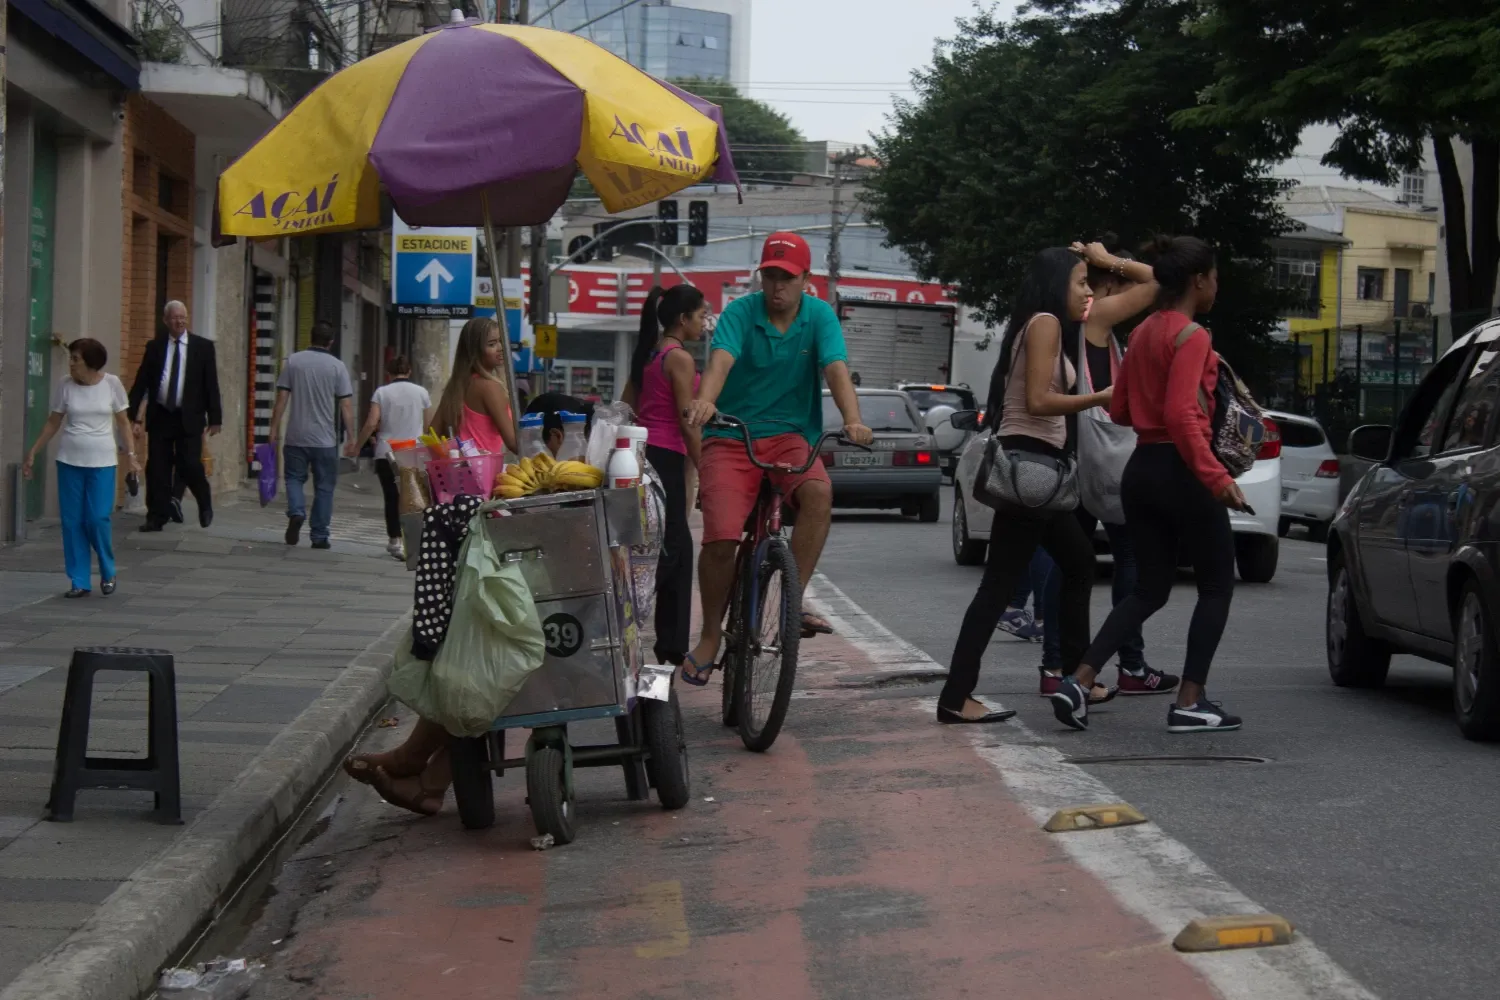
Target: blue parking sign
x=432 y=271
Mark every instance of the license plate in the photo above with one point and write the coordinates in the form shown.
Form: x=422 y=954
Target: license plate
x=1286 y=495
x=849 y=458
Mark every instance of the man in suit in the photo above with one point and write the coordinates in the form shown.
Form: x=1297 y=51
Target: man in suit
x=178 y=382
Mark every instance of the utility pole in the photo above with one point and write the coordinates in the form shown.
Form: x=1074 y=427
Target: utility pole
x=837 y=221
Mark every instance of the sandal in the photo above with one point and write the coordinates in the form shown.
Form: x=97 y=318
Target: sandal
x=426 y=802
x=694 y=673
x=1108 y=695
x=361 y=767
x=950 y=717
x=813 y=625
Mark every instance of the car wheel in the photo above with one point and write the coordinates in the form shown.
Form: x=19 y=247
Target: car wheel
x=1476 y=686
x=928 y=509
x=1283 y=527
x=1354 y=659
x=910 y=507
x=966 y=551
x=1318 y=532
x=1256 y=555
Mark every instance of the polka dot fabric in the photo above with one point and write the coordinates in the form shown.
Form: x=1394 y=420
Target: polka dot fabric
x=444 y=528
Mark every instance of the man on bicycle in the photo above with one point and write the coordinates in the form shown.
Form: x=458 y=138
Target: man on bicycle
x=768 y=352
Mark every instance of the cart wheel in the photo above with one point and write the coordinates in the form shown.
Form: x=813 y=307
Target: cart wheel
x=473 y=789
x=546 y=788
x=667 y=745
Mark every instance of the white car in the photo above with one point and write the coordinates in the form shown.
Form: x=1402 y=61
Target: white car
x=1309 y=476
x=1256 y=543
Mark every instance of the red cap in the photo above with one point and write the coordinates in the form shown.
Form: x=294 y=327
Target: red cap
x=786 y=252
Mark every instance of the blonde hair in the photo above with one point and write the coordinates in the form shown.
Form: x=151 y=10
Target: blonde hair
x=468 y=361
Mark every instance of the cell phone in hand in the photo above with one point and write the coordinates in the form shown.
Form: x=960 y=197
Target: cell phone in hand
x=1248 y=509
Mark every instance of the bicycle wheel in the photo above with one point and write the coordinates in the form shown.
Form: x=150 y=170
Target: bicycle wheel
x=772 y=623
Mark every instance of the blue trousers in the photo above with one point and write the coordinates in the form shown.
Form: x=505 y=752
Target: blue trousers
x=1133 y=650
x=85 y=499
x=323 y=463
x=1035 y=580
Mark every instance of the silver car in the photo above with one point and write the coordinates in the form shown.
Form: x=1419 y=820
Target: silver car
x=901 y=469
x=1309 y=475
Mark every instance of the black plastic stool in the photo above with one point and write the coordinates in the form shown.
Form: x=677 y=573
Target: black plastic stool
x=156 y=772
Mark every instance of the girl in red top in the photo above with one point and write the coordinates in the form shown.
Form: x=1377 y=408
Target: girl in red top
x=1176 y=494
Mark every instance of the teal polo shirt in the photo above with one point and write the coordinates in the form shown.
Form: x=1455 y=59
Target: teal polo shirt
x=776 y=384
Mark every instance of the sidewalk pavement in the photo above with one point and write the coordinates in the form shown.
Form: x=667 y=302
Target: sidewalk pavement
x=280 y=657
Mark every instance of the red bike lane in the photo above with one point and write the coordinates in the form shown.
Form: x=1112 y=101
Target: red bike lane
x=871 y=852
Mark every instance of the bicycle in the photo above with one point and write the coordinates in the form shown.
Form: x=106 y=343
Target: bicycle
x=763 y=623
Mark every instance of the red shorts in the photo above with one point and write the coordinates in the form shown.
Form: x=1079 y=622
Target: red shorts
x=728 y=484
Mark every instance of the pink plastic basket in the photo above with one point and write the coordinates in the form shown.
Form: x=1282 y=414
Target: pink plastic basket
x=453 y=477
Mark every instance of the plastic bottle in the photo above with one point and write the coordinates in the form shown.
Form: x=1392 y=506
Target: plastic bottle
x=624 y=463
x=574 y=445
x=533 y=438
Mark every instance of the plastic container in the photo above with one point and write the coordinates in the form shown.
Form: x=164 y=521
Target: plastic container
x=456 y=477
x=625 y=462
x=574 y=446
x=533 y=437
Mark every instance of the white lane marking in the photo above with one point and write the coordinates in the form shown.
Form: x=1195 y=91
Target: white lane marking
x=1152 y=875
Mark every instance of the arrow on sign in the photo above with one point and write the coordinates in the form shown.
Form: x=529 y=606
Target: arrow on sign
x=434 y=274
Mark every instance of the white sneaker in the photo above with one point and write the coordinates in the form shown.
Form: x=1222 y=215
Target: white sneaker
x=396 y=549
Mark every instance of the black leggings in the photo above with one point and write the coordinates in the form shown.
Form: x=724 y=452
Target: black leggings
x=1167 y=512
x=385 y=471
x=674 y=567
x=1014 y=537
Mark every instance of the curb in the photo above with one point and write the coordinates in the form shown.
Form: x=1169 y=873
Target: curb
x=118 y=952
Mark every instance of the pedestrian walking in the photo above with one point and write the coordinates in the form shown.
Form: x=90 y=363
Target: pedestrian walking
x=178 y=382
x=89 y=405
x=663 y=381
x=1176 y=493
x=475 y=403
x=1029 y=396
x=398 y=412
x=1017 y=620
x=314 y=386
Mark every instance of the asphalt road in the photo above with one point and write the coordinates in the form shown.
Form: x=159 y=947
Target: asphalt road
x=1372 y=826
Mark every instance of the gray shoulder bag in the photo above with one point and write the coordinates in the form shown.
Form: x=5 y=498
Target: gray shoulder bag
x=1020 y=477
x=1103 y=448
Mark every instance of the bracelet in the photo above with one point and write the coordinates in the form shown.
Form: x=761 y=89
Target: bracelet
x=1117 y=268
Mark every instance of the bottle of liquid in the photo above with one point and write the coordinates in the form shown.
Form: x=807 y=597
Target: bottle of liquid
x=624 y=470
x=574 y=445
x=533 y=438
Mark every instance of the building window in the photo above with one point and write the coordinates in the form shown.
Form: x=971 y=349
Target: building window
x=1370 y=283
x=1298 y=272
x=1414 y=188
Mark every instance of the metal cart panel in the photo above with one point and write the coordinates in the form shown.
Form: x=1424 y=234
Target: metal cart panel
x=580 y=671
x=560 y=550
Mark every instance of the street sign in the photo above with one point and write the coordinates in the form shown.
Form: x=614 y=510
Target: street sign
x=545 y=335
x=434 y=271
x=484 y=297
x=512 y=296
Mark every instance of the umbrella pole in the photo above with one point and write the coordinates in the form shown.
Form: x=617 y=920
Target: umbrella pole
x=510 y=364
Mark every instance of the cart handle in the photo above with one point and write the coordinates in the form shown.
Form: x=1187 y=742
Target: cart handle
x=517 y=555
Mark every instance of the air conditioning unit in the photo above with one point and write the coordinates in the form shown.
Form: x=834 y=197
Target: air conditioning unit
x=1419 y=310
x=1306 y=268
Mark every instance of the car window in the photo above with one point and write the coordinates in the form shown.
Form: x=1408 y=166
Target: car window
x=1476 y=402
x=1299 y=435
x=926 y=399
x=878 y=411
x=1420 y=431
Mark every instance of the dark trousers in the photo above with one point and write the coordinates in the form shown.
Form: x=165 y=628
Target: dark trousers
x=1133 y=650
x=674 y=567
x=1013 y=538
x=385 y=471
x=172 y=451
x=1167 y=511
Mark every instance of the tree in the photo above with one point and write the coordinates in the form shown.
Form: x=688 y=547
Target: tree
x=1054 y=127
x=1390 y=74
x=765 y=145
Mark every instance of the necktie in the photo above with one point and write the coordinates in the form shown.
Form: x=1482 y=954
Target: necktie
x=172 y=380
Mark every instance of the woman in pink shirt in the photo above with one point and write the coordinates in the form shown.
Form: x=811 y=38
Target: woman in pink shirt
x=475 y=403
x=662 y=382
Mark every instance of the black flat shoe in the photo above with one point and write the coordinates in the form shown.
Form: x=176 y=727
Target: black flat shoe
x=205 y=516
x=106 y=587
x=76 y=592
x=176 y=511
x=949 y=717
x=151 y=526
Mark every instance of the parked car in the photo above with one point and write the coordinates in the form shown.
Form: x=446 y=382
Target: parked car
x=1309 y=476
x=900 y=470
x=937 y=404
x=1256 y=544
x=1413 y=563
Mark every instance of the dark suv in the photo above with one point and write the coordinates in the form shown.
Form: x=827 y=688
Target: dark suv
x=1412 y=555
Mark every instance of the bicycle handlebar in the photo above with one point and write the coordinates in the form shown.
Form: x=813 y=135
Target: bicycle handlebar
x=724 y=422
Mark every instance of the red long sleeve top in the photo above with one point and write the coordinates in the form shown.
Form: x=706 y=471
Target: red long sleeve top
x=1166 y=392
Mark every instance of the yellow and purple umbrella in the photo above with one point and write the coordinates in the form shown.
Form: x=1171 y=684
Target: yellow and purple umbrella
x=473 y=123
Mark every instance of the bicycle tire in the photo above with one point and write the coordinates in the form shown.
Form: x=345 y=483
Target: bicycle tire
x=778 y=617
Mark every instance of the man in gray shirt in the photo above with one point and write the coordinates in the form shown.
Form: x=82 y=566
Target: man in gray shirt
x=313 y=385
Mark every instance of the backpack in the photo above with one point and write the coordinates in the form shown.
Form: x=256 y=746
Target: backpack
x=1237 y=425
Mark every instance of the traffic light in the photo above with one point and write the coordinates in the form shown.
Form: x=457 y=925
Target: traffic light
x=666 y=229
x=697 y=223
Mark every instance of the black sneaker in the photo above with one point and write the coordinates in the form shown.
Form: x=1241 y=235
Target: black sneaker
x=176 y=511
x=322 y=544
x=1204 y=717
x=294 y=529
x=1070 y=703
x=1148 y=680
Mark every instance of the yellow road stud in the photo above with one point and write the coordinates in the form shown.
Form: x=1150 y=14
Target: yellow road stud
x=1251 y=930
x=1093 y=817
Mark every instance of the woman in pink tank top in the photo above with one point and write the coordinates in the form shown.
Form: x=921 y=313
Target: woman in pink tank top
x=475 y=403
x=663 y=380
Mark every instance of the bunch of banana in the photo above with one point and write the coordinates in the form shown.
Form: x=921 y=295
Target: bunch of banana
x=541 y=474
x=576 y=476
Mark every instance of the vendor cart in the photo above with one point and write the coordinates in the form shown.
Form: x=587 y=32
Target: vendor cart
x=574 y=551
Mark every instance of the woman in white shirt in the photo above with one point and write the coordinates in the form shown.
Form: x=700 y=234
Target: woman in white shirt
x=399 y=410
x=88 y=406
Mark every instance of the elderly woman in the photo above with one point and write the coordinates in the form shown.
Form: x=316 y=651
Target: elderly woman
x=88 y=406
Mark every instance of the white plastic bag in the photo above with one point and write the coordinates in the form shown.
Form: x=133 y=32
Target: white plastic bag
x=607 y=423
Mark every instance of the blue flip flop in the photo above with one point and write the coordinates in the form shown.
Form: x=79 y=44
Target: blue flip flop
x=699 y=675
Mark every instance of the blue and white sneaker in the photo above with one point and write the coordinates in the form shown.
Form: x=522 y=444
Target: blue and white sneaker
x=1070 y=703
x=1019 y=623
x=1204 y=717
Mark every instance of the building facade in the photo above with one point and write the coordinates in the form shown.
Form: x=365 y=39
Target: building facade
x=707 y=39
